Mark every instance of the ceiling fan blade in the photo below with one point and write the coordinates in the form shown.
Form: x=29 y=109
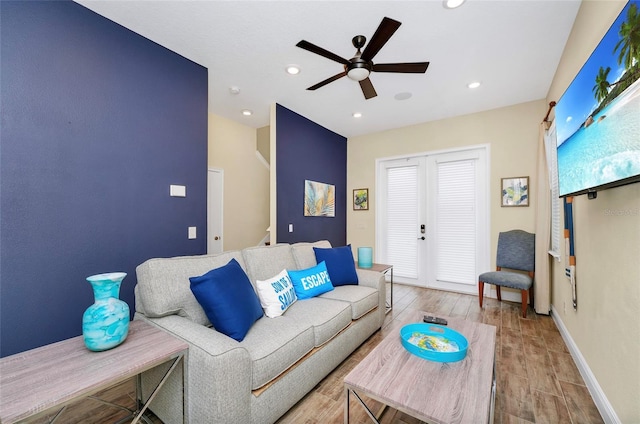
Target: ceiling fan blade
x=367 y=89
x=409 y=68
x=385 y=30
x=322 y=52
x=327 y=81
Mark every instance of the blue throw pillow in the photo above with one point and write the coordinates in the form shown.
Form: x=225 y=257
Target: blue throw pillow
x=340 y=264
x=228 y=299
x=311 y=282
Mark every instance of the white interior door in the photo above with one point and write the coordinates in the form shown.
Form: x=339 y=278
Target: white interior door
x=433 y=221
x=457 y=220
x=215 y=184
x=402 y=212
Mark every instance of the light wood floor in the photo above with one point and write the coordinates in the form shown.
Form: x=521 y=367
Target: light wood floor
x=537 y=380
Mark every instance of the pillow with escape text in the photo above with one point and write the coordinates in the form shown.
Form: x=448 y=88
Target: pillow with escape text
x=311 y=282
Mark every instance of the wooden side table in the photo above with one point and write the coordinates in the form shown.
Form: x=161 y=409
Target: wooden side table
x=383 y=269
x=38 y=381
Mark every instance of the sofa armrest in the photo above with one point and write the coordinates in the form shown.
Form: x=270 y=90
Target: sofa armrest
x=218 y=380
x=376 y=280
x=369 y=278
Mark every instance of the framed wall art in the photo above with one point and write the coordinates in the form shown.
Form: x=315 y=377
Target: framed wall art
x=361 y=199
x=319 y=199
x=515 y=191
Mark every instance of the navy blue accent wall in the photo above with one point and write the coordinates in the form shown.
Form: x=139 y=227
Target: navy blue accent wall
x=97 y=122
x=308 y=151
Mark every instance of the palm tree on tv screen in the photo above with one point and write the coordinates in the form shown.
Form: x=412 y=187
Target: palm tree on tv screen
x=628 y=48
x=629 y=44
x=601 y=89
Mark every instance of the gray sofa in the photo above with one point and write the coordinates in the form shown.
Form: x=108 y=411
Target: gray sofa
x=279 y=361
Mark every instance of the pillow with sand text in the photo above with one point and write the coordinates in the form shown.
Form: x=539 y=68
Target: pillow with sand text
x=276 y=294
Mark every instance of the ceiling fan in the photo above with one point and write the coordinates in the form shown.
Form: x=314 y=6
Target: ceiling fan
x=361 y=65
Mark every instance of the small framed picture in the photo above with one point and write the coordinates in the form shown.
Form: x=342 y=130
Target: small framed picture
x=515 y=191
x=361 y=199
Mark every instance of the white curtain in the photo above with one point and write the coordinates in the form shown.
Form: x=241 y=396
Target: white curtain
x=541 y=285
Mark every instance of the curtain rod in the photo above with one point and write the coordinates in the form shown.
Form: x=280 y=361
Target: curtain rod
x=551 y=106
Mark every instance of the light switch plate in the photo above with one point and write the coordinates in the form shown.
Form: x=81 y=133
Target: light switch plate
x=192 y=233
x=177 y=190
x=291 y=228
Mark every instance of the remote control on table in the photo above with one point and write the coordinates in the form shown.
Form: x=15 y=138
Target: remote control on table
x=434 y=320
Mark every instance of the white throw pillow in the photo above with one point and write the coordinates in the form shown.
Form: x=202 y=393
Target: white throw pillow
x=276 y=294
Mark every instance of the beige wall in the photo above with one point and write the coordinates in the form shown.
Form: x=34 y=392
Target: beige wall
x=264 y=142
x=511 y=132
x=606 y=325
x=232 y=147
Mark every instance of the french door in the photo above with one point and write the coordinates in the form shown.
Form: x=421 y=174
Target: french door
x=433 y=220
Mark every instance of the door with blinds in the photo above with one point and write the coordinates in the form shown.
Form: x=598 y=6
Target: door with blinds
x=434 y=222
x=401 y=212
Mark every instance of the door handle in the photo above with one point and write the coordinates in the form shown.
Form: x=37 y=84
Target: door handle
x=216 y=238
x=421 y=238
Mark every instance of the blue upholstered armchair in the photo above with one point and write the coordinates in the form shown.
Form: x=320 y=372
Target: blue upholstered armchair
x=516 y=251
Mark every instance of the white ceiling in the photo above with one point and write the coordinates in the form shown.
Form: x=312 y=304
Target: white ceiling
x=512 y=46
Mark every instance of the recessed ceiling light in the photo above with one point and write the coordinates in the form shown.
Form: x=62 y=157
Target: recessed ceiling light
x=357 y=115
x=293 y=69
x=234 y=90
x=452 y=4
x=403 y=96
x=247 y=112
x=474 y=84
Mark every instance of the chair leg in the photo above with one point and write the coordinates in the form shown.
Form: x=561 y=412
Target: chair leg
x=480 y=292
x=498 y=293
x=524 y=303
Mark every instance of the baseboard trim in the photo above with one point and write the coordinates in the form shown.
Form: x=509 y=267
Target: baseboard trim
x=599 y=398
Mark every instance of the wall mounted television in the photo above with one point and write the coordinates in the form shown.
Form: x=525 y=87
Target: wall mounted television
x=598 y=117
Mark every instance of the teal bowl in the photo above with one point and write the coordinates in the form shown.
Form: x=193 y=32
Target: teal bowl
x=434 y=342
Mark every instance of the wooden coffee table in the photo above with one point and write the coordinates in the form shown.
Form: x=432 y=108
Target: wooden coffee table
x=434 y=392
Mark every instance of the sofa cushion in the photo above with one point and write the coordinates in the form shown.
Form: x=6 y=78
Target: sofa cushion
x=264 y=262
x=276 y=294
x=361 y=298
x=276 y=344
x=228 y=299
x=163 y=284
x=327 y=317
x=304 y=255
x=311 y=282
x=340 y=264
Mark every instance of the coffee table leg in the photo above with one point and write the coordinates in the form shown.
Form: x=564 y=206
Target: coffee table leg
x=346 y=406
x=364 y=405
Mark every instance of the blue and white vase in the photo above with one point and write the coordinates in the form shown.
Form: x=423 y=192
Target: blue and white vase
x=105 y=324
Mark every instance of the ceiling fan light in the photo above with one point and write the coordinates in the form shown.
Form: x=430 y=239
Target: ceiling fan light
x=358 y=74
